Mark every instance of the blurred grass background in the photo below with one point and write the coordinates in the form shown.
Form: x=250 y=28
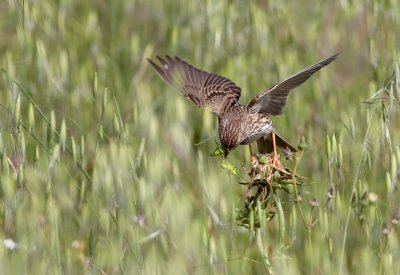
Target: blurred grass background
x=106 y=169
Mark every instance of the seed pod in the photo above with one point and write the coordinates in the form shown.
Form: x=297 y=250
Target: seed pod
x=31 y=118
x=74 y=153
x=63 y=135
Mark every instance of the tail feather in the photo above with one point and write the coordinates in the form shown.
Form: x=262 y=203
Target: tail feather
x=265 y=145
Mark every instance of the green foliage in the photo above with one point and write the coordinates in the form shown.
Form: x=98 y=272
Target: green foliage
x=106 y=169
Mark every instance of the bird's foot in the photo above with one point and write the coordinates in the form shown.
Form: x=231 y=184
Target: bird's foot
x=276 y=162
x=253 y=161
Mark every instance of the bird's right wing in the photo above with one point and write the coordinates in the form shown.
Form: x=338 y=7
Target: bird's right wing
x=273 y=100
x=203 y=88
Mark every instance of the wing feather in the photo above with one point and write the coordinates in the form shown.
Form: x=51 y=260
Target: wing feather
x=203 y=88
x=273 y=100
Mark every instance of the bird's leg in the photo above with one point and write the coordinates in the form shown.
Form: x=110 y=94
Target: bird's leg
x=275 y=157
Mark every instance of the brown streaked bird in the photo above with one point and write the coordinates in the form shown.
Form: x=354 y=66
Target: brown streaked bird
x=238 y=124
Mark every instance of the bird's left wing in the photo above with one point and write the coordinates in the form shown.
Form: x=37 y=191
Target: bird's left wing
x=203 y=88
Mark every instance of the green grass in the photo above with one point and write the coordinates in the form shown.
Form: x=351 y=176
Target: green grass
x=106 y=169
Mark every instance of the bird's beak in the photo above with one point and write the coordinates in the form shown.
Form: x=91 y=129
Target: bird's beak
x=226 y=152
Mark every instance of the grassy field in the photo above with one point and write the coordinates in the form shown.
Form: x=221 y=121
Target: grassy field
x=104 y=169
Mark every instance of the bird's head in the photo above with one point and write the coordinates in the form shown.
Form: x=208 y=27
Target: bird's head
x=229 y=137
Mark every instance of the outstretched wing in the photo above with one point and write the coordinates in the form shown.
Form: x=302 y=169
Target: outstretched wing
x=273 y=100
x=203 y=88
